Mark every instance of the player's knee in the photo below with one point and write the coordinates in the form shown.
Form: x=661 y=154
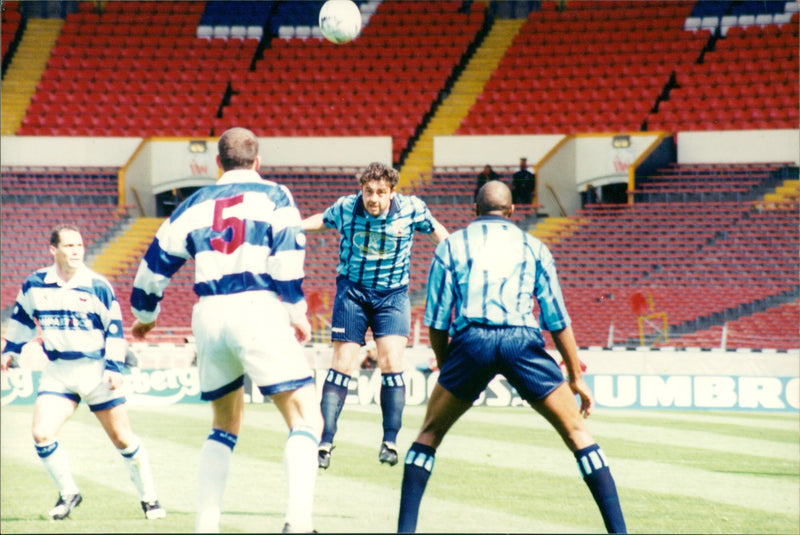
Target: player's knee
x=42 y=434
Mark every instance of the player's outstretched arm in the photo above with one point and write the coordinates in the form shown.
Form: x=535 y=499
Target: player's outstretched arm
x=439 y=233
x=314 y=223
x=140 y=329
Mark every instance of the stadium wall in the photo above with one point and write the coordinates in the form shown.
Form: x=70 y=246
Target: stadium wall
x=764 y=381
x=743 y=146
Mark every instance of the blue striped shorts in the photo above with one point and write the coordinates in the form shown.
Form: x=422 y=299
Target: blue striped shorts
x=480 y=352
x=355 y=309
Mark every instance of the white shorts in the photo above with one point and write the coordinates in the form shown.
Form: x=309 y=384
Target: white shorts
x=80 y=379
x=247 y=332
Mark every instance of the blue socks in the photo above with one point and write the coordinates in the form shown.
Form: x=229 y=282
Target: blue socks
x=417 y=470
x=334 y=393
x=393 y=401
x=593 y=466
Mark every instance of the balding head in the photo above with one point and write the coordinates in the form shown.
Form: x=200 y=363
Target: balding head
x=238 y=149
x=494 y=198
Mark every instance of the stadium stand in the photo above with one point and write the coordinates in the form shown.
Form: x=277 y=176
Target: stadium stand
x=714 y=245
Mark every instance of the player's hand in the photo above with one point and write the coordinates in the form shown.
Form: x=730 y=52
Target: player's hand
x=114 y=379
x=8 y=361
x=582 y=389
x=302 y=330
x=140 y=330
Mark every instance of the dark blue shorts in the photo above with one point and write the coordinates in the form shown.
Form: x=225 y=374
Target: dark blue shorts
x=478 y=353
x=356 y=308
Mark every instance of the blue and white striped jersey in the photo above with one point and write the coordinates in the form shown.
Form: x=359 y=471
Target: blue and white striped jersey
x=375 y=252
x=79 y=319
x=244 y=234
x=489 y=273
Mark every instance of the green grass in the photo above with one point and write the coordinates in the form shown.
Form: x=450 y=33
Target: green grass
x=499 y=470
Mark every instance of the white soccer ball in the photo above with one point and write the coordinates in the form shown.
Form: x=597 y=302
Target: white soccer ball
x=340 y=21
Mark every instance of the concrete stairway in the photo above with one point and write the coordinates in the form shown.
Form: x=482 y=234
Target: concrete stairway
x=25 y=71
x=463 y=95
x=127 y=248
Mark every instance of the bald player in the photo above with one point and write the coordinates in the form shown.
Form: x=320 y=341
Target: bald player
x=481 y=286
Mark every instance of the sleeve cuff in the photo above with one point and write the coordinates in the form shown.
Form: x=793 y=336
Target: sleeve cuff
x=115 y=366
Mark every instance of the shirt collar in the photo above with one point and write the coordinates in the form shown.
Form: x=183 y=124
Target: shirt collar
x=82 y=277
x=394 y=207
x=487 y=218
x=238 y=176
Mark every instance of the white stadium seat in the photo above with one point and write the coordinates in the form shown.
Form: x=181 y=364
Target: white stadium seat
x=709 y=23
x=205 y=32
x=255 y=32
x=692 y=23
x=747 y=20
x=222 y=30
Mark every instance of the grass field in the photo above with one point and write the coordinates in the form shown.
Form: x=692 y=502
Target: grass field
x=499 y=470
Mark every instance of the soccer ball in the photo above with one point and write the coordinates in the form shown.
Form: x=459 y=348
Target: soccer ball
x=339 y=21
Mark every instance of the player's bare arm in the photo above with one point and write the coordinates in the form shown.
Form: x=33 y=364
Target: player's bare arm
x=140 y=329
x=5 y=362
x=114 y=379
x=439 y=233
x=313 y=223
x=568 y=348
x=302 y=330
x=440 y=340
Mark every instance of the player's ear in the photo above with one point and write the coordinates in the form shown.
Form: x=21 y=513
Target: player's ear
x=257 y=163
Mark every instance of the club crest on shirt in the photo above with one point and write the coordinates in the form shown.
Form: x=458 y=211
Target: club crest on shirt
x=374 y=243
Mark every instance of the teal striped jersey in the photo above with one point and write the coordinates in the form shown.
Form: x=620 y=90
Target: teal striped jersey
x=375 y=252
x=489 y=273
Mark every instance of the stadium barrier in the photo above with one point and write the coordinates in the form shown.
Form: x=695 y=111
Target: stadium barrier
x=765 y=381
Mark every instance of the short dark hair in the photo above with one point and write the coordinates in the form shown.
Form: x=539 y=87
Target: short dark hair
x=55 y=236
x=493 y=197
x=378 y=171
x=238 y=149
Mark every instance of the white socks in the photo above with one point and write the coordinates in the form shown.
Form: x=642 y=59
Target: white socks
x=138 y=464
x=56 y=463
x=300 y=465
x=214 y=462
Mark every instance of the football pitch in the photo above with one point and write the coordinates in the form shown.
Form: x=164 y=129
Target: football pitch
x=498 y=471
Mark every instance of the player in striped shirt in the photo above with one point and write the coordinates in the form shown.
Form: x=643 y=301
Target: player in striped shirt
x=248 y=248
x=488 y=275
x=82 y=336
x=377 y=227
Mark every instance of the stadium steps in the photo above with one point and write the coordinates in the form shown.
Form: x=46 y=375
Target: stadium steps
x=127 y=248
x=554 y=229
x=25 y=71
x=787 y=194
x=463 y=95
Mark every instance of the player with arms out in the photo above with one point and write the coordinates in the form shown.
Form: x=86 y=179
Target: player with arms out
x=376 y=227
x=488 y=274
x=82 y=336
x=248 y=248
